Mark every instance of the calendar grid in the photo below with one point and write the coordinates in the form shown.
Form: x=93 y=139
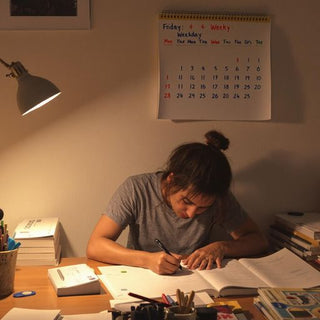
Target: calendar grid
x=214 y=69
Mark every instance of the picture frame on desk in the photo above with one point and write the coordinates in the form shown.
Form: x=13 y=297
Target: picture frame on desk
x=20 y=15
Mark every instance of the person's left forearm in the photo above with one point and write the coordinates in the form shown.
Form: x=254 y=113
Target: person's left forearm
x=247 y=245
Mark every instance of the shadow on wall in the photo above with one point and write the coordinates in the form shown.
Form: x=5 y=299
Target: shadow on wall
x=100 y=69
x=278 y=183
x=281 y=182
x=66 y=246
x=85 y=73
x=287 y=99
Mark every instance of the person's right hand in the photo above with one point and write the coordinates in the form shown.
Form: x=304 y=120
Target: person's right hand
x=163 y=263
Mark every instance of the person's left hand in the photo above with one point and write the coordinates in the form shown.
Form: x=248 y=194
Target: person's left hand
x=205 y=257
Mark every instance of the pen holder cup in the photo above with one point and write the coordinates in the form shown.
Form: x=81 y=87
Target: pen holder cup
x=174 y=313
x=8 y=261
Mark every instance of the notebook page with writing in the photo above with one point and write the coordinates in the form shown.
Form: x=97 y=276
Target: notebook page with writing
x=284 y=269
x=237 y=277
x=232 y=274
x=120 y=280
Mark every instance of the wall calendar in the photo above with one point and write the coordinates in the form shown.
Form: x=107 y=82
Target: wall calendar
x=214 y=67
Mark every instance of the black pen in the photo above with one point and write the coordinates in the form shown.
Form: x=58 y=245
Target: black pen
x=162 y=247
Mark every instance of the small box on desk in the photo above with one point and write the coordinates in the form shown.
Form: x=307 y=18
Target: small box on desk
x=73 y=280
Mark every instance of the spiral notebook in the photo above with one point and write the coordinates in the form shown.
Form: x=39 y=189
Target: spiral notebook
x=214 y=67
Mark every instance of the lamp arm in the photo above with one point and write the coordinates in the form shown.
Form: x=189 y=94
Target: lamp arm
x=4 y=63
x=17 y=69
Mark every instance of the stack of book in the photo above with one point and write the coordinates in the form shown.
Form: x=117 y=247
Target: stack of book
x=40 y=241
x=288 y=303
x=297 y=231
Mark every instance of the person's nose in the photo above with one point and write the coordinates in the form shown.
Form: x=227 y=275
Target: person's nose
x=191 y=212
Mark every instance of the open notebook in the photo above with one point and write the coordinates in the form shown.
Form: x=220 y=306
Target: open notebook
x=237 y=277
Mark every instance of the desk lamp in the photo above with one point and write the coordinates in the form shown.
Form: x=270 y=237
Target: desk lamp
x=33 y=92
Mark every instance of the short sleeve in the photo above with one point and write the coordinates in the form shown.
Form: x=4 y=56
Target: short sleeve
x=122 y=205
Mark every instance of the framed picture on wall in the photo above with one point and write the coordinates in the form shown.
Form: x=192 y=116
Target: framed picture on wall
x=44 y=14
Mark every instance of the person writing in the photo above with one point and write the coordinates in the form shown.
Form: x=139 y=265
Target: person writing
x=179 y=206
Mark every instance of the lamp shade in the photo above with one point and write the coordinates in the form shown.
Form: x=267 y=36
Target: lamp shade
x=34 y=92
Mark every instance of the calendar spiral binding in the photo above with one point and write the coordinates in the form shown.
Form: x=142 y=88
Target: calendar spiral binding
x=211 y=16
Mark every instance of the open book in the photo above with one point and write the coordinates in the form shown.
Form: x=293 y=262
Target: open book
x=237 y=277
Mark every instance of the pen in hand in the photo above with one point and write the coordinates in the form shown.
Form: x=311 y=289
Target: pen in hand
x=162 y=247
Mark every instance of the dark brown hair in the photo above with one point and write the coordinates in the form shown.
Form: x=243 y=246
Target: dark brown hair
x=202 y=167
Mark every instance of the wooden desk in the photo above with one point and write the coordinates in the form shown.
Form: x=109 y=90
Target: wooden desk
x=36 y=278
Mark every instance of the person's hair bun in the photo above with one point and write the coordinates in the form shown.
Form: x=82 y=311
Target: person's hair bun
x=217 y=140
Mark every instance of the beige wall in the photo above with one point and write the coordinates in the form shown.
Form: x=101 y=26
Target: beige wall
x=66 y=159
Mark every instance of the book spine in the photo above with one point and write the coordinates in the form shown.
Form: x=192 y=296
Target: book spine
x=293 y=240
x=291 y=230
x=266 y=298
x=306 y=255
x=313 y=234
x=259 y=305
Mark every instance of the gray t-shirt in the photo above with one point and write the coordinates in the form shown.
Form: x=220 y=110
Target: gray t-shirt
x=138 y=202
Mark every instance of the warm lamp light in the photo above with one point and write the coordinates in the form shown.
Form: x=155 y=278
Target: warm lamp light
x=33 y=92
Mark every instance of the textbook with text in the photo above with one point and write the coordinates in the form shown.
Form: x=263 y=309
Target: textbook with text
x=237 y=277
x=39 y=232
x=290 y=303
x=40 y=241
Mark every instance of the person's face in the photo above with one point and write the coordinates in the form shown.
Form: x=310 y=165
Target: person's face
x=187 y=206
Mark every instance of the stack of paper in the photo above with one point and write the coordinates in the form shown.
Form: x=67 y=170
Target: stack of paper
x=74 y=280
x=37 y=314
x=32 y=314
x=40 y=241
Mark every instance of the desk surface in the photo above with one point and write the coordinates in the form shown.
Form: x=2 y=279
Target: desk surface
x=36 y=278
